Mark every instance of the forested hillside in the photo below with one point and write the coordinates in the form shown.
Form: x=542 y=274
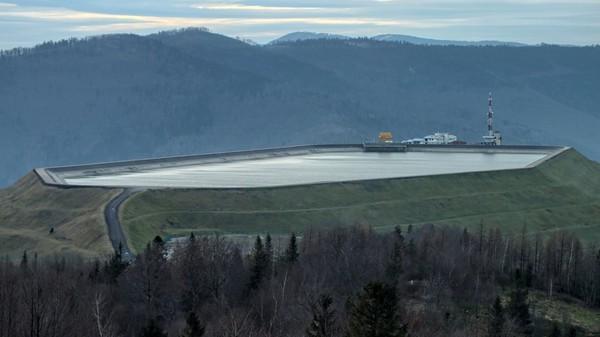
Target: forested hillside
x=127 y=96
x=429 y=281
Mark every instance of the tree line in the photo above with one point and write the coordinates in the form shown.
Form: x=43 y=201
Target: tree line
x=427 y=281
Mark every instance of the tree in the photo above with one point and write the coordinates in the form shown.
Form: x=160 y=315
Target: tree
x=323 y=322
x=291 y=253
x=152 y=329
x=497 y=319
x=259 y=264
x=394 y=267
x=269 y=256
x=193 y=327
x=115 y=266
x=375 y=313
x=24 y=261
x=103 y=317
x=518 y=306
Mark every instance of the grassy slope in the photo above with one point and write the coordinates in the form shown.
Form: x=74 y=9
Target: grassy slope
x=561 y=193
x=29 y=209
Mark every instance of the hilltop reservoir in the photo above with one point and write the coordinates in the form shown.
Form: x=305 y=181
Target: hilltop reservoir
x=301 y=165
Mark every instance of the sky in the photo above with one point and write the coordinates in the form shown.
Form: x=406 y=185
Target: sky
x=26 y=23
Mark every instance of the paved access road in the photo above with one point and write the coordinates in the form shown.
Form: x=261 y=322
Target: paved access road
x=115 y=230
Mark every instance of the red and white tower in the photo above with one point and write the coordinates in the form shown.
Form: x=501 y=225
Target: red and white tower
x=493 y=137
x=490 y=117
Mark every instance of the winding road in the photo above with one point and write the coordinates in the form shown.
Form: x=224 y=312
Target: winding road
x=115 y=230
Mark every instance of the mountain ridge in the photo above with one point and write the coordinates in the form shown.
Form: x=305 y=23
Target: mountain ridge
x=119 y=97
x=398 y=38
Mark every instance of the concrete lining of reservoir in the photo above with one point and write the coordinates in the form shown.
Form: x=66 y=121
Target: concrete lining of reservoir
x=297 y=165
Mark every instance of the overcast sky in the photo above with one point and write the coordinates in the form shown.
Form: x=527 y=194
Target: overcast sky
x=29 y=22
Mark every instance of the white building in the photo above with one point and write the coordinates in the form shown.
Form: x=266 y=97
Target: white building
x=438 y=138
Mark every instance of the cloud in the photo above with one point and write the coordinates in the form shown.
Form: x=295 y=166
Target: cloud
x=518 y=20
x=263 y=9
x=105 y=22
x=155 y=22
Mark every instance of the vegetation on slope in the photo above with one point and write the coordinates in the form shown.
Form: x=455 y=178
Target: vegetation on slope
x=559 y=194
x=53 y=221
x=433 y=281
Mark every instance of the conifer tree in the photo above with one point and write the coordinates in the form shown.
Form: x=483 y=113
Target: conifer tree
x=497 y=319
x=115 y=266
x=375 y=313
x=269 y=255
x=394 y=267
x=24 y=261
x=193 y=327
x=323 y=322
x=291 y=253
x=518 y=306
x=259 y=264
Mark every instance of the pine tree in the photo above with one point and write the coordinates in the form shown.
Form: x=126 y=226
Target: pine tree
x=158 y=243
x=518 y=306
x=193 y=327
x=152 y=329
x=24 y=261
x=496 y=319
x=269 y=256
x=323 y=322
x=259 y=264
x=375 y=313
x=291 y=253
x=114 y=267
x=394 y=266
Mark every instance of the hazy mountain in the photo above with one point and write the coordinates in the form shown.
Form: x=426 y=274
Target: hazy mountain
x=190 y=91
x=434 y=42
x=301 y=36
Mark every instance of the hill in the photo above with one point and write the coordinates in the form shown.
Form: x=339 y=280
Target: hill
x=399 y=38
x=561 y=193
x=119 y=97
x=301 y=36
x=434 y=42
x=51 y=221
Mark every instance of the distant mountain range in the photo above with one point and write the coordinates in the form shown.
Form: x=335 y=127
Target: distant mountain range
x=300 y=36
x=126 y=96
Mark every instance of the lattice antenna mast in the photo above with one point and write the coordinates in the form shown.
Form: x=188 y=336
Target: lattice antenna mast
x=490 y=116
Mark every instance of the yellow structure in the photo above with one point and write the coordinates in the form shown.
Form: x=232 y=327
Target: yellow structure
x=385 y=137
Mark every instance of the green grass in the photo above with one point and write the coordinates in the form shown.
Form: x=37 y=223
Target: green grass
x=29 y=209
x=561 y=193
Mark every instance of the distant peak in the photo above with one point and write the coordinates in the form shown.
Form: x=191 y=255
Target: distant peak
x=435 y=42
x=301 y=36
x=399 y=38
